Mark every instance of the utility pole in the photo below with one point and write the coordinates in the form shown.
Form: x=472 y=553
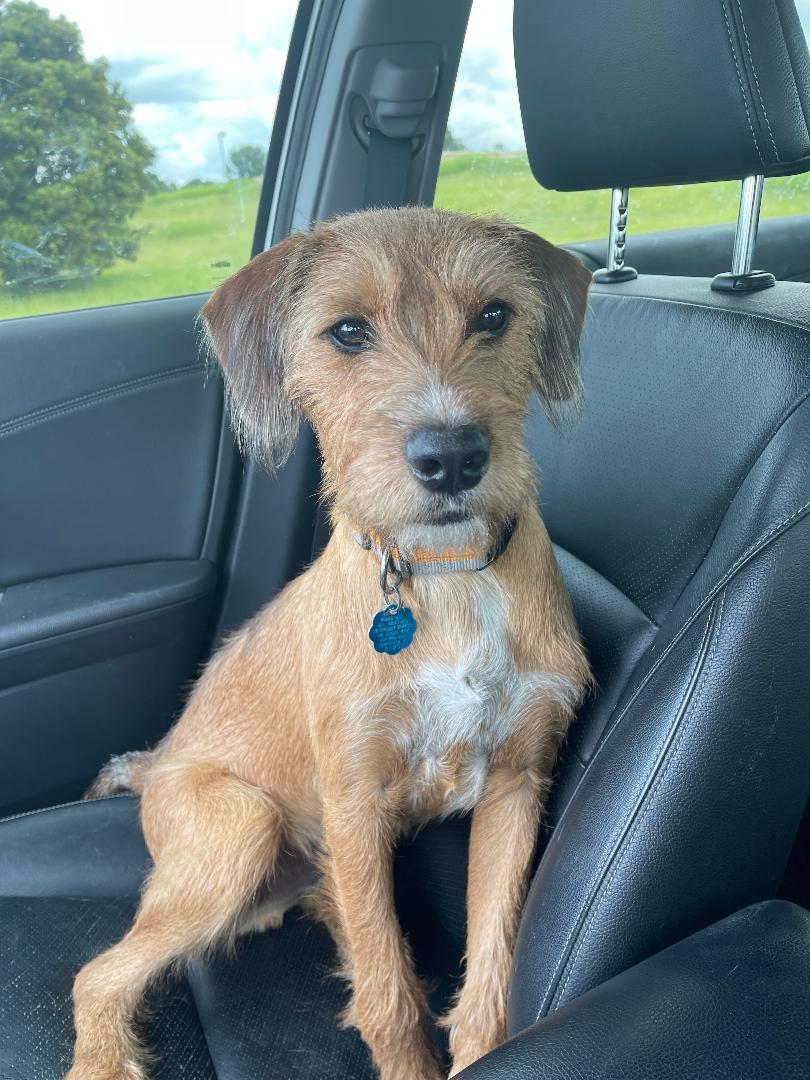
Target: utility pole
x=222 y=158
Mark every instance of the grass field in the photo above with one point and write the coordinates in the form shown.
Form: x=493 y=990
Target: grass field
x=502 y=184
x=195 y=237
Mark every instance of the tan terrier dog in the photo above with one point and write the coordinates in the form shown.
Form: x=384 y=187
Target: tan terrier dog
x=412 y=340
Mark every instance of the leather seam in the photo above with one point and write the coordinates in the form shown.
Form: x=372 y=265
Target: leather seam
x=681 y=725
x=755 y=549
x=94 y=397
x=192 y=991
x=740 y=81
x=802 y=107
x=551 y=991
x=65 y=805
x=756 y=80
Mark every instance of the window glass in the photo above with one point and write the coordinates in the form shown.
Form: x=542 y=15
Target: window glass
x=484 y=167
x=132 y=143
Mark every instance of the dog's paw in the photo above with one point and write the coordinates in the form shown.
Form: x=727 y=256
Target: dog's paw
x=471 y=1036
x=465 y=1058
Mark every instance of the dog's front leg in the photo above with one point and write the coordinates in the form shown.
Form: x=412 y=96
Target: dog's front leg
x=502 y=841
x=388 y=1004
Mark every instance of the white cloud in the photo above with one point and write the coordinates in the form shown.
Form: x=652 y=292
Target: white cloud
x=193 y=70
x=485 y=111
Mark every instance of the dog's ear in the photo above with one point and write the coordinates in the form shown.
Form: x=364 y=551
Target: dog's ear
x=563 y=283
x=245 y=322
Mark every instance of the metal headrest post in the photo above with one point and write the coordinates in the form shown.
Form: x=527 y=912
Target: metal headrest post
x=615 y=270
x=742 y=278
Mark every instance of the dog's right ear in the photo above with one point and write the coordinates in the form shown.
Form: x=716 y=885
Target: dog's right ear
x=563 y=284
x=245 y=321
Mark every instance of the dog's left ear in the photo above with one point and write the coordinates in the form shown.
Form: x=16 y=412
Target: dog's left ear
x=563 y=284
x=245 y=321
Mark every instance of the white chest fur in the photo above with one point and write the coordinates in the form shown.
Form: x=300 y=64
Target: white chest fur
x=475 y=704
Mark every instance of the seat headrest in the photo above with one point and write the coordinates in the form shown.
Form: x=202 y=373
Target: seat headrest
x=628 y=93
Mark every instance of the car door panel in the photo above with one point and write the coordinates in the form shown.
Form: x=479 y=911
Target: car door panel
x=115 y=477
x=107 y=659
x=109 y=433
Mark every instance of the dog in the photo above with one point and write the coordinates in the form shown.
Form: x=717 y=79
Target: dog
x=426 y=664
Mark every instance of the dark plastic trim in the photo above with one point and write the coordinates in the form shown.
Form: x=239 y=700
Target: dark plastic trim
x=39 y=611
x=281 y=119
x=614 y=277
x=753 y=281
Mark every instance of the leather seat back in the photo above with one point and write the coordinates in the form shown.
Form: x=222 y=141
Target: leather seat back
x=678 y=504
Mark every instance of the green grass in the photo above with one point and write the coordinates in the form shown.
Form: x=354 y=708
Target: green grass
x=502 y=184
x=196 y=237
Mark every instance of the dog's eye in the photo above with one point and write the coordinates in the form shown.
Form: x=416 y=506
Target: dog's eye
x=493 y=320
x=351 y=335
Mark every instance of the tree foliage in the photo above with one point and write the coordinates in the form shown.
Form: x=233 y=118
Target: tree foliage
x=451 y=142
x=74 y=168
x=248 y=161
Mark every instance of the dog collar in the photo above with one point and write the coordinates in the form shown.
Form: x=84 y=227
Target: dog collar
x=424 y=561
x=393 y=628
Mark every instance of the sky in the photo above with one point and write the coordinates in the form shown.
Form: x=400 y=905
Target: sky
x=191 y=70
x=194 y=70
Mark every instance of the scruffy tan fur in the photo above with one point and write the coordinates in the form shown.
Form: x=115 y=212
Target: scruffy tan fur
x=298 y=736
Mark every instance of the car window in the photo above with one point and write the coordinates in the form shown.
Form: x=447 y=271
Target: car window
x=485 y=170
x=132 y=143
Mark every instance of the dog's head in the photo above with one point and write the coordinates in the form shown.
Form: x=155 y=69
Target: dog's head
x=412 y=340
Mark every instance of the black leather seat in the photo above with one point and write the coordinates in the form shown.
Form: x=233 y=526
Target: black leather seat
x=684 y=1014
x=679 y=505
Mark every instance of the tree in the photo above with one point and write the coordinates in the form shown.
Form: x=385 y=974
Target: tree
x=451 y=142
x=248 y=161
x=74 y=168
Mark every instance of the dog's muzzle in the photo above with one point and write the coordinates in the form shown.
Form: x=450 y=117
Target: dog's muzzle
x=448 y=460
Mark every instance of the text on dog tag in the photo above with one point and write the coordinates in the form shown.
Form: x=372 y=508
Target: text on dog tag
x=392 y=629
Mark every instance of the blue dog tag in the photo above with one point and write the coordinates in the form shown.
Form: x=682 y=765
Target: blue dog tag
x=392 y=629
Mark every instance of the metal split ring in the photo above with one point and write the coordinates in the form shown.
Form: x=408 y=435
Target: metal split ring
x=390 y=581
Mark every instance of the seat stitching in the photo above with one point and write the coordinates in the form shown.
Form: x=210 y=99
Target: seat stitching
x=64 y=805
x=755 y=549
x=650 y=798
x=756 y=80
x=20 y=423
x=550 y=993
x=791 y=69
x=739 y=79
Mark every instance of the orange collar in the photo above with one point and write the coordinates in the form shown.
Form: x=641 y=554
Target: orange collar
x=424 y=561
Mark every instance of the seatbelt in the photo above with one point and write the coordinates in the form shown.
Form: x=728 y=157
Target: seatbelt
x=387 y=169
x=400 y=90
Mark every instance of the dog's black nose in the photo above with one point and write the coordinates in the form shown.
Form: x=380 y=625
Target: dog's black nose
x=448 y=460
